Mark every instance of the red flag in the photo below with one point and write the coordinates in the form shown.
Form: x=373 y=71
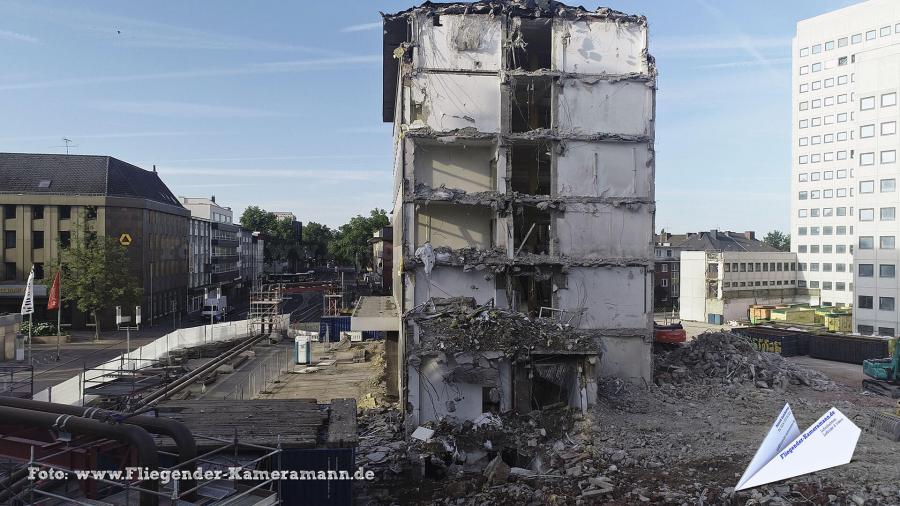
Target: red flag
x=53 y=299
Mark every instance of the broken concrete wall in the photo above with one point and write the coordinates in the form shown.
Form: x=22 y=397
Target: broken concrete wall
x=454 y=226
x=607 y=297
x=627 y=357
x=459 y=386
x=470 y=168
x=599 y=47
x=458 y=42
x=446 y=102
x=444 y=281
x=604 y=169
x=587 y=230
x=603 y=107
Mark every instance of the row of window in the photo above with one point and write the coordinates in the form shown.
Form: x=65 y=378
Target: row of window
x=884 y=270
x=824 y=65
x=828 y=156
x=826 y=248
x=825 y=194
x=10 y=239
x=665 y=267
x=856 y=38
x=828 y=119
x=884 y=242
x=824 y=101
x=824 y=212
x=822 y=267
x=884 y=303
x=887 y=128
x=838 y=286
x=37 y=212
x=759 y=266
x=826 y=83
x=868 y=330
x=826 y=175
x=825 y=230
x=884 y=214
x=887 y=100
x=825 y=138
x=742 y=284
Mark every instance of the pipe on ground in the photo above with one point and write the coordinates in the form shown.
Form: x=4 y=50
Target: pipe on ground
x=184 y=439
x=132 y=435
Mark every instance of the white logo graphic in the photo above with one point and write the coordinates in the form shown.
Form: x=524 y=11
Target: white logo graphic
x=786 y=452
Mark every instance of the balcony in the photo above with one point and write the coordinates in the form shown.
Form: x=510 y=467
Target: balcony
x=225 y=242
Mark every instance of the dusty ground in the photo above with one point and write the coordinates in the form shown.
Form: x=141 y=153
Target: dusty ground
x=665 y=443
x=341 y=380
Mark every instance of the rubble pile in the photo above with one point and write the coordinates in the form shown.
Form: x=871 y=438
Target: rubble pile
x=457 y=325
x=726 y=358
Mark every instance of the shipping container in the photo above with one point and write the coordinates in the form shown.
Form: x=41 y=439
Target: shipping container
x=760 y=313
x=850 y=349
x=787 y=343
x=839 y=322
x=330 y=327
x=714 y=319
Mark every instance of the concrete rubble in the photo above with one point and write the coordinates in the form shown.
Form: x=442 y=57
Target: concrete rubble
x=684 y=440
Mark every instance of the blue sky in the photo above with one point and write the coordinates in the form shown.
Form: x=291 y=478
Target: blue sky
x=278 y=104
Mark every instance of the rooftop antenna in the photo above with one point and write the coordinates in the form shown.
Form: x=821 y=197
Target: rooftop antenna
x=68 y=144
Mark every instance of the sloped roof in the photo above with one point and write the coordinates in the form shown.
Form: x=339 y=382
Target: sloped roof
x=52 y=174
x=715 y=240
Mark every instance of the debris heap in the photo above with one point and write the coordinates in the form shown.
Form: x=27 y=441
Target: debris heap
x=457 y=325
x=726 y=358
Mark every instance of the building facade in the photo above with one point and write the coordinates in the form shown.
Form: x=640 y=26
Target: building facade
x=383 y=259
x=501 y=115
x=666 y=271
x=251 y=259
x=46 y=199
x=845 y=140
x=217 y=244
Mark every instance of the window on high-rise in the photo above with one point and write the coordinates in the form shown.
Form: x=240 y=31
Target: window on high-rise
x=886 y=303
x=888 y=99
x=866 y=242
x=889 y=156
x=886 y=242
x=864 y=301
x=887 y=271
x=866 y=131
x=888 y=213
x=866 y=186
x=870 y=35
x=866 y=159
x=866 y=103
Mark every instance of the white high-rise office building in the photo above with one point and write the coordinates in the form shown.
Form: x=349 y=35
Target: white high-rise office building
x=846 y=73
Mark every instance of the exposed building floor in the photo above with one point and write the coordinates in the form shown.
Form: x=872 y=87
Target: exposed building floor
x=343 y=379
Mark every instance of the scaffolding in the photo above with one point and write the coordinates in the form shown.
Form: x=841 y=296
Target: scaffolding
x=265 y=309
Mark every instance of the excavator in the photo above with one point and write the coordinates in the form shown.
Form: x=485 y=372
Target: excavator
x=884 y=375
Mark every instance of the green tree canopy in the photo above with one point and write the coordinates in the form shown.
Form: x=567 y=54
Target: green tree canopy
x=351 y=243
x=316 y=238
x=95 y=274
x=778 y=240
x=279 y=243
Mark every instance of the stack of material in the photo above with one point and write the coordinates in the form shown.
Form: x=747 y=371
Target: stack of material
x=724 y=357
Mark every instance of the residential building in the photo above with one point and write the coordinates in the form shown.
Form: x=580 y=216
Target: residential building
x=845 y=140
x=214 y=248
x=666 y=277
x=523 y=148
x=46 y=199
x=723 y=273
x=250 y=259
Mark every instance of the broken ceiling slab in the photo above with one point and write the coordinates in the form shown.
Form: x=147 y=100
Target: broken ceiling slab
x=523 y=8
x=497 y=260
x=375 y=313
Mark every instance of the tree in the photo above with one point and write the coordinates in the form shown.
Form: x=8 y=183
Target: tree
x=351 y=243
x=256 y=219
x=316 y=238
x=96 y=275
x=778 y=240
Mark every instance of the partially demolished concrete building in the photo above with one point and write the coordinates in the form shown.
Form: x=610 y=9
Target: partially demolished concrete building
x=524 y=192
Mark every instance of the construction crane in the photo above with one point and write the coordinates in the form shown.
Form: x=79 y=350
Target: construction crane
x=884 y=374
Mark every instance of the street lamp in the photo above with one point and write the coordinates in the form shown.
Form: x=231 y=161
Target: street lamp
x=120 y=319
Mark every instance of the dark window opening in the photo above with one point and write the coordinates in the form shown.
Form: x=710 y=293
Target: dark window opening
x=531 y=103
x=490 y=400
x=532 y=44
x=37 y=212
x=9 y=239
x=436 y=20
x=554 y=381
x=37 y=239
x=90 y=212
x=65 y=212
x=65 y=239
x=532 y=291
x=9 y=271
x=530 y=169
x=9 y=211
x=532 y=231
x=38 y=271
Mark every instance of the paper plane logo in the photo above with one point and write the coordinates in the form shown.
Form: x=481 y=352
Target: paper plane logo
x=786 y=452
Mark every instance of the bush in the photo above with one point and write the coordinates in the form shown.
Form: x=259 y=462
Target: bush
x=40 y=328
